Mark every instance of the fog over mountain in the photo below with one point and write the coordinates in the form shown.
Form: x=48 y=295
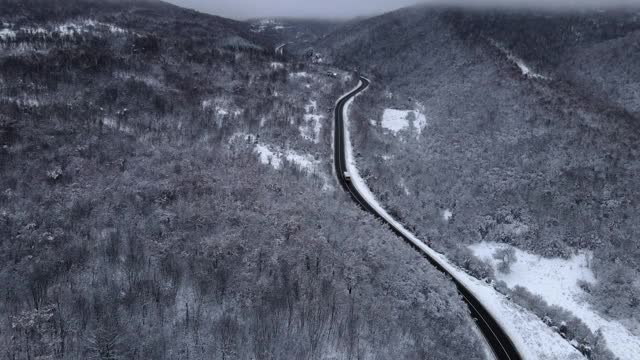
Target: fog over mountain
x=340 y=9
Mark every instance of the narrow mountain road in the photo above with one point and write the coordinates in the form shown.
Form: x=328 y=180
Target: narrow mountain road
x=495 y=336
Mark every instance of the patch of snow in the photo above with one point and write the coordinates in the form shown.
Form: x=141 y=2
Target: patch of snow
x=524 y=68
x=67 y=29
x=310 y=130
x=113 y=124
x=277 y=65
x=206 y=104
x=311 y=107
x=300 y=74
x=7 y=34
x=396 y=120
x=532 y=337
x=556 y=280
x=275 y=156
x=267 y=156
x=24 y=101
x=404 y=187
x=447 y=215
x=146 y=79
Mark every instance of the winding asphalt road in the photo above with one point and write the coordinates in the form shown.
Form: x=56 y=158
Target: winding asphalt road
x=500 y=343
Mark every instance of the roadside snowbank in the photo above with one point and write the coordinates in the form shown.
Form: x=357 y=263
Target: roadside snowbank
x=533 y=338
x=556 y=280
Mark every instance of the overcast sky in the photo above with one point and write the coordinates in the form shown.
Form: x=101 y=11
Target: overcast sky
x=243 y=9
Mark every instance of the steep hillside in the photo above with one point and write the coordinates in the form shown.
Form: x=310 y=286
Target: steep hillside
x=475 y=131
x=166 y=192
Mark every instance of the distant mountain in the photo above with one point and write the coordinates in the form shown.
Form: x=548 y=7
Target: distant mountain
x=293 y=30
x=144 y=15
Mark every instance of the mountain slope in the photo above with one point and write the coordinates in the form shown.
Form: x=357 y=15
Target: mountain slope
x=475 y=134
x=166 y=192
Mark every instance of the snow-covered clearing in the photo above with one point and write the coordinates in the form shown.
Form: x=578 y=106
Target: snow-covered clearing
x=447 y=215
x=310 y=130
x=396 y=120
x=275 y=156
x=532 y=337
x=556 y=280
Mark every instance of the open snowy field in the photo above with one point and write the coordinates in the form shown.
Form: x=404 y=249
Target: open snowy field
x=556 y=280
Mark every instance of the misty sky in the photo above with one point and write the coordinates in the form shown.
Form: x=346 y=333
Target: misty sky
x=243 y=9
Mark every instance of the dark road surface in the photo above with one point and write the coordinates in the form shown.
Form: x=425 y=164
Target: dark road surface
x=495 y=336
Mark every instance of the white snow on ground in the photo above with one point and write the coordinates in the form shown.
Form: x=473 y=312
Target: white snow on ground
x=533 y=338
x=277 y=65
x=404 y=187
x=72 y=27
x=148 y=80
x=23 y=101
x=6 y=34
x=301 y=74
x=67 y=29
x=396 y=120
x=556 y=280
x=219 y=108
x=310 y=130
x=274 y=156
x=113 y=124
x=524 y=68
x=447 y=214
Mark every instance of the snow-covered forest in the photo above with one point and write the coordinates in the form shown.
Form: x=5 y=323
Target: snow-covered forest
x=168 y=187
x=473 y=132
x=167 y=192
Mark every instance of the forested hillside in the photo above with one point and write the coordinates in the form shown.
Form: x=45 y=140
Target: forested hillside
x=166 y=192
x=491 y=126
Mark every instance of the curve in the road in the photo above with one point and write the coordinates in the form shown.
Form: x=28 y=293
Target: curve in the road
x=500 y=343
